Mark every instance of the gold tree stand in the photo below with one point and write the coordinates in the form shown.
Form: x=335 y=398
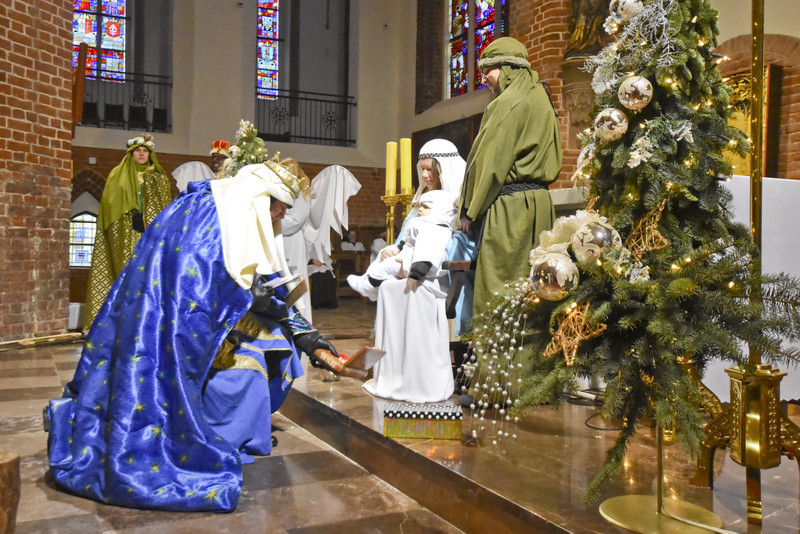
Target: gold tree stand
x=653 y=514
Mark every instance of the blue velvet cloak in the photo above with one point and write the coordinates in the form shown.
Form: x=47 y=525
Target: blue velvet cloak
x=135 y=426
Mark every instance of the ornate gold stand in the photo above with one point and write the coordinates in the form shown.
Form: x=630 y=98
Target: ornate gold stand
x=754 y=427
x=652 y=514
x=405 y=199
x=391 y=201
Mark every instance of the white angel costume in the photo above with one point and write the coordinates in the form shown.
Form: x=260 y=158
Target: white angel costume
x=330 y=191
x=192 y=171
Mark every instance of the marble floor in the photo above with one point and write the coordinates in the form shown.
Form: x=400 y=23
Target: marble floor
x=334 y=471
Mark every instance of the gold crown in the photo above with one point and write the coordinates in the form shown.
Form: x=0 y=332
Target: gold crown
x=295 y=181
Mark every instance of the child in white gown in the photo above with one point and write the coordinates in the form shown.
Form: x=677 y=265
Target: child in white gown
x=422 y=250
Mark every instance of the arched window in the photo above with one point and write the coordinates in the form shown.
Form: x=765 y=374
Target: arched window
x=473 y=24
x=101 y=24
x=82 y=229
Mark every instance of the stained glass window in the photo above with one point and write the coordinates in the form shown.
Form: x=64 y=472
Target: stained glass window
x=466 y=44
x=82 y=229
x=459 y=47
x=101 y=24
x=267 y=57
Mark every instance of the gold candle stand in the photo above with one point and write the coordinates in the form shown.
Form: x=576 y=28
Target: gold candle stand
x=405 y=199
x=391 y=201
x=753 y=425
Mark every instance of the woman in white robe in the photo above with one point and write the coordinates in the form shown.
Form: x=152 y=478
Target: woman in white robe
x=410 y=322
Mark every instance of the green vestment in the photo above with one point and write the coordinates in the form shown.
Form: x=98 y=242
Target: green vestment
x=518 y=142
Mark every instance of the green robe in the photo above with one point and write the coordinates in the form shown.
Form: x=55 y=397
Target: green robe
x=115 y=238
x=519 y=141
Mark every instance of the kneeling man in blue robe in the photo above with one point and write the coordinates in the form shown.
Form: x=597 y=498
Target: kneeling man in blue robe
x=193 y=350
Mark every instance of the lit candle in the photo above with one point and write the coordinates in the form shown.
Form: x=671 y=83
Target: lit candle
x=405 y=166
x=391 y=168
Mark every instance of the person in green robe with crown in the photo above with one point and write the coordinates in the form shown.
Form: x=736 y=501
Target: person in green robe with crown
x=135 y=193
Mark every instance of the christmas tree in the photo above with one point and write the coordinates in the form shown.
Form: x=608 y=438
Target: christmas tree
x=248 y=148
x=654 y=279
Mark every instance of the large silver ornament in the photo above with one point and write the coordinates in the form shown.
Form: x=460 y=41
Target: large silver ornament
x=590 y=240
x=625 y=10
x=554 y=275
x=610 y=124
x=635 y=92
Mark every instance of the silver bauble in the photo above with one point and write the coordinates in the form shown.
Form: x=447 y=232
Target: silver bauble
x=625 y=10
x=590 y=240
x=554 y=275
x=635 y=92
x=610 y=124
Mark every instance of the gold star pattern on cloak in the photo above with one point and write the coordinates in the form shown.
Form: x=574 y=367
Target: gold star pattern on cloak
x=644 y=236
x=573 y=329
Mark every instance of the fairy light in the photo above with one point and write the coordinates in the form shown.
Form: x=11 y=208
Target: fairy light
x=701 y=43
x=675 y=267
x=731 y=284
x=694 y=19
x=688 y=260
x=732 y=142
x=642 y=125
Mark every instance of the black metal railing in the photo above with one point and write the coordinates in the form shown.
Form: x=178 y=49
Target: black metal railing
x=305 y=117
x=138 y=102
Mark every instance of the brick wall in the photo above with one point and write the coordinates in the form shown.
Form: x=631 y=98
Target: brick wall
x=430 y=54
x=784 y=51
x=543 y=27
x=35 y=167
